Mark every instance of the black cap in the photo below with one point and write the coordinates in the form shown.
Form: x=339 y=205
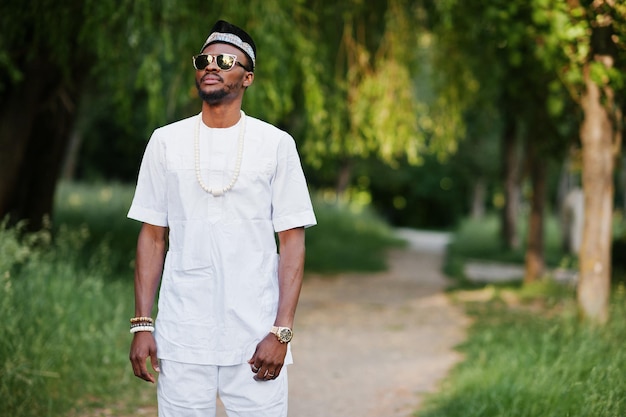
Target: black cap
x=224 y=32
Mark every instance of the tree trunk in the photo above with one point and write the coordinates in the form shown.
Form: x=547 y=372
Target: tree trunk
x=344 y=178
x=17 y=117
x=479 y=192
x=68 y=171
x=35 y=125
x=510 y=173
x=596 y=134
x=534 y=252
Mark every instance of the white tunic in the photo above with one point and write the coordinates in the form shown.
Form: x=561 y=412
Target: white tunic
x=219 y=289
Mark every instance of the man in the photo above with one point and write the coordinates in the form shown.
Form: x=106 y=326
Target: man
x=212 y=192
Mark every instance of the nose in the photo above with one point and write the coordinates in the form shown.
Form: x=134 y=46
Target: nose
x=213 y=65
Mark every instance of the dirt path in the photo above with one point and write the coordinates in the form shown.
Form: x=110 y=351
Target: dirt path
x=371 y=346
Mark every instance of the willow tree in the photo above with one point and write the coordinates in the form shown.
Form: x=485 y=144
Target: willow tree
x=55 y=54
x=369 y=53
x=586 y=47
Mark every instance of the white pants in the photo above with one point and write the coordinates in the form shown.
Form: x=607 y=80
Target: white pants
x=188 y=390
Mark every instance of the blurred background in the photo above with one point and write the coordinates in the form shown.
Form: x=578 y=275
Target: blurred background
x=499 y=119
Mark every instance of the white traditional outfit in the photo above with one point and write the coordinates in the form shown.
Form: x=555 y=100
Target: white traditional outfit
x=219 y=289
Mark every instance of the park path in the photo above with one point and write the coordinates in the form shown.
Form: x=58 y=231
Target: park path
x=372 y=345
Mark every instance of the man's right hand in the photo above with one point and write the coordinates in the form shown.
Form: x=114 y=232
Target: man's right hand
x=142 y=347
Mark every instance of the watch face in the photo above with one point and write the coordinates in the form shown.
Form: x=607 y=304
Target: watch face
x=285 y=334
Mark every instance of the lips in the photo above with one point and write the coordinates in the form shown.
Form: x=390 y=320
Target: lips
x=211 y=79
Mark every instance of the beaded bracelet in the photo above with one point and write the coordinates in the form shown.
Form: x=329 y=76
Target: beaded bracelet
x=141 y=319
x=141 y=324
x=142 y=328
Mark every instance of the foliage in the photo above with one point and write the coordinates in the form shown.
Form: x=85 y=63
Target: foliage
x=432 y=195
x=347 y=238
x=565 y=31
x=377 y=104
x=532 y=357
x=64 y=335
x=101 y=209
x=501 y=72
x=479 y=239
x=134 y=52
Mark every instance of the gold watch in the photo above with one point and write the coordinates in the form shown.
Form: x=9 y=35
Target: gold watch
x=283 y=334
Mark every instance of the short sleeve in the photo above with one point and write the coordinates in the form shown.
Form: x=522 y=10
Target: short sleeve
x=149 y=203
x=291 y=202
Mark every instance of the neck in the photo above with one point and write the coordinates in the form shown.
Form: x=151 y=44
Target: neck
x=221 y=115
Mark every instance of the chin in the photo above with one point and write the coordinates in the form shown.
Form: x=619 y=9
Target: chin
x=213 y=97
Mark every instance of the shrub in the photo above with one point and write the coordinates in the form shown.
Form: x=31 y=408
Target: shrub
x=63 y=336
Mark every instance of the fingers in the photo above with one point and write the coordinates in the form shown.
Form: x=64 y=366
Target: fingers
x=141 y=349
x=265 y=373
x=141 y=370
x=155 y=363
x=268 y=359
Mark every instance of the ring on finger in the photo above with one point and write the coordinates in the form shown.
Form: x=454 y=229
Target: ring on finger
x=255 y=369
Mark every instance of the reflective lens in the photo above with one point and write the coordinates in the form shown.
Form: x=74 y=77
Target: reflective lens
x=225 y=62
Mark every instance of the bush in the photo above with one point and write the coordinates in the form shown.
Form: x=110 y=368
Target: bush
x=348 y=239
x=64 y=332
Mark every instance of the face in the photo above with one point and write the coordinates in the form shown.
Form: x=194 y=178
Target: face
x=216 y=86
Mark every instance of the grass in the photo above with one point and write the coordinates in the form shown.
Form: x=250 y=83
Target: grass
x=348 y=239
x=100 y=212
x=63 y=336
x=480 y=239
x=66 y=294
x=527 y=353
x=536 y=359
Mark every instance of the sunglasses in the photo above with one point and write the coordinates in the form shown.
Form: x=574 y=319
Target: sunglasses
x=225 y=62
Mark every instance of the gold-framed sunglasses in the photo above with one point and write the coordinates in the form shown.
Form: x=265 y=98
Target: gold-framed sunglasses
x=225 y=62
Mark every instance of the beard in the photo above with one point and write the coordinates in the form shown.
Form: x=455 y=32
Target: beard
x=213 y=97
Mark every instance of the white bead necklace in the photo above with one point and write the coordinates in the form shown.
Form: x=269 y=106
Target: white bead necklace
x=220 y=192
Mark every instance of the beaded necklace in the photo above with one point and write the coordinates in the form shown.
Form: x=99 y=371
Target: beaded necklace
x=220 y=192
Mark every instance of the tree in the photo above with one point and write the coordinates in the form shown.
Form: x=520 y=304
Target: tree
x=53 y=55
x=344 y=94
x=39 y=84
x=586 y=47
x=499 y=54
x=370 y=98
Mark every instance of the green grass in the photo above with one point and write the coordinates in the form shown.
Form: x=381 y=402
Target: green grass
x=63 y=337
x=480 y=239
x=348 y=239
x=66 y=295
x=527 y=353
x=536 y=359
x=100 y=212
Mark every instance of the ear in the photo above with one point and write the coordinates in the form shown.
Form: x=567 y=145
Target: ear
x=248 y=79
